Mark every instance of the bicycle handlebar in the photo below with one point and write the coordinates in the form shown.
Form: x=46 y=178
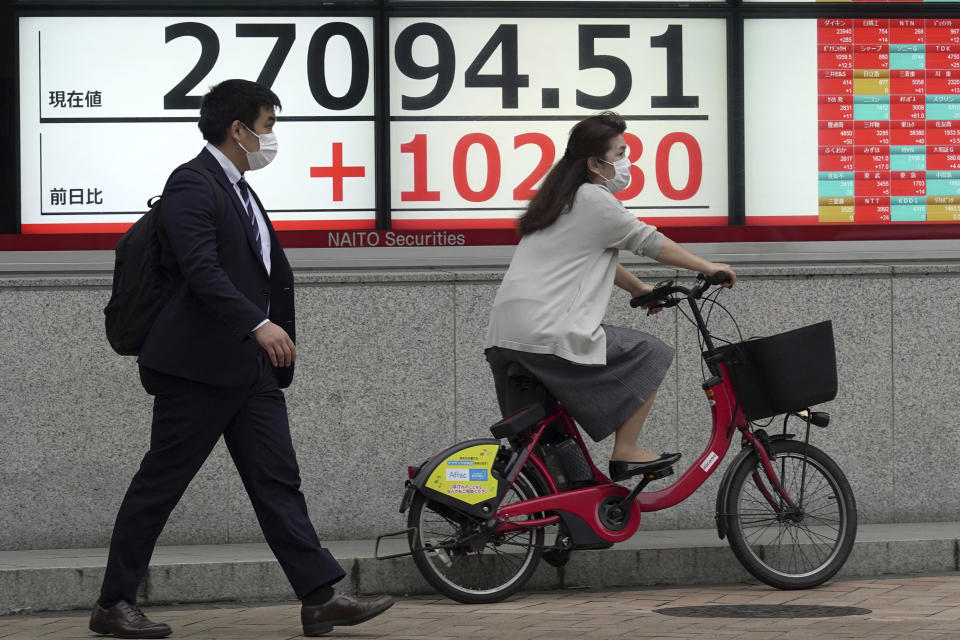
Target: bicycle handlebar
x=668 y=288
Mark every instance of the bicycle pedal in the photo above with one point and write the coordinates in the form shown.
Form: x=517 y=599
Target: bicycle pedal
x=647 y=470
x=646 y=479
x=656 y=475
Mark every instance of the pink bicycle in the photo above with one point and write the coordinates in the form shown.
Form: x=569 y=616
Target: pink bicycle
x=479 y=511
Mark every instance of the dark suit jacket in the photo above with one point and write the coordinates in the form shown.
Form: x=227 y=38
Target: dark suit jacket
x=220 y=288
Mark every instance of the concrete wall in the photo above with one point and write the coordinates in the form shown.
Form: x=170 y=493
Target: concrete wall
x=390 y=370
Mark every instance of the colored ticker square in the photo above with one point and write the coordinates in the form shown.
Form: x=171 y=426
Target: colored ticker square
x=871 y=30
x=871 y=132
x=879 y=186
x=907 y=31
x=870 y=56
x=908 y=213
x=908 y=60
x=943 y=56
x=942 y=81
x=908 y=186
x=834 y=82
x=871 y=111
x=943 y=212
x=872 y=213
x=943 y=35
x=908 y=132
x=941 y=110
x=908 y=161
x=942 y=157
x=871 y=86
x=836 y=159
x=836 y=214
x=835 y=189
x=864 y=161
x=835 y=111
x=907 y=108
x=835 y=35
x=943 y=133
x=943 y=186
x=835 y=56
x=907 y=84
x=835 y=137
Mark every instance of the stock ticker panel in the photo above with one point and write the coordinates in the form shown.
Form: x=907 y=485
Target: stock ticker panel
x=480 y=109
x=126 y=91
x=889 y=120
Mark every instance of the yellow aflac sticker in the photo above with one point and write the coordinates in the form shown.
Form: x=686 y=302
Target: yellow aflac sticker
x=466 y=476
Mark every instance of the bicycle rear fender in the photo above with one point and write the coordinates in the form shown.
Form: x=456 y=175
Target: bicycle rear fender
x=461 y=477
x=724 y=491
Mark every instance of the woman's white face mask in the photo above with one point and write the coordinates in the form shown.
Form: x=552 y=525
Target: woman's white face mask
x=266 y=154
x=621 y=178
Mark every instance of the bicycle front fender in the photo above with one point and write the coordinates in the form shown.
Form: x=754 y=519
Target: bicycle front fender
x=724 y=491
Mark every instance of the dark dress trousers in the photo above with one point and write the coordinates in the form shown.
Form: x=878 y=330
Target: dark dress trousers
x=210 y=378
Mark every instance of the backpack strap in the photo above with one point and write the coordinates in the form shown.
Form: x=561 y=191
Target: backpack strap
x=195 y=166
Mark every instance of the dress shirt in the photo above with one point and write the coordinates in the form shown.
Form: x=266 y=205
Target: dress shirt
x=234 y=175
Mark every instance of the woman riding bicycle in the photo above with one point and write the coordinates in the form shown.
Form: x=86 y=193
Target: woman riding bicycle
x=548 y=311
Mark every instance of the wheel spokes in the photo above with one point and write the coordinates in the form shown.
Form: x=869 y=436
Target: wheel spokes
x=794 y=541
x=497 y=564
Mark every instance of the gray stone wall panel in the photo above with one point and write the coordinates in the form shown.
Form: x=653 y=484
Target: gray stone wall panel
x=391 y=370
x=373 y=393
x=476 y=401
x=926 y=412
x=74 y=424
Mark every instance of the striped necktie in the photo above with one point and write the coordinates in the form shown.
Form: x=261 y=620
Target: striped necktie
x=245 y=192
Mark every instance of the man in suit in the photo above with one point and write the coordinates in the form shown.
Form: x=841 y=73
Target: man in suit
x=215 y=361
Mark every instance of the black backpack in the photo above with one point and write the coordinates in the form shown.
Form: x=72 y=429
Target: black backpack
x=140 y=290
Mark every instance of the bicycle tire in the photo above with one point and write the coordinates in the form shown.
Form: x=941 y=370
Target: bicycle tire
x=501 y=583
x=774 y=547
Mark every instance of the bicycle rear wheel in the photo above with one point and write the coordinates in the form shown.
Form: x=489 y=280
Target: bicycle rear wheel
x=466 y=565
x=791 y=547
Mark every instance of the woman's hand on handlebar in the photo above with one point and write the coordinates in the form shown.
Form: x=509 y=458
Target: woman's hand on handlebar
x=716 y=267
x=643 y=289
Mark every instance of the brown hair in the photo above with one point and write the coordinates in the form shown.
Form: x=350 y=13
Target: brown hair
x=588 y=138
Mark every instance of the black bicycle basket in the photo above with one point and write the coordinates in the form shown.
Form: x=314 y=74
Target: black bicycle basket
x=784 y=372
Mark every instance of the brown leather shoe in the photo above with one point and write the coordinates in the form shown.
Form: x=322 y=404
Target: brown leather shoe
x=340 y=611
x=125 y=620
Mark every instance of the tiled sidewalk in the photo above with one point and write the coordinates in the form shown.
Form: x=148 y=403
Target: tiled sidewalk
x=902 y=607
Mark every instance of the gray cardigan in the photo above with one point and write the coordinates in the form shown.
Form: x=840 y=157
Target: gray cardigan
x=555 y=293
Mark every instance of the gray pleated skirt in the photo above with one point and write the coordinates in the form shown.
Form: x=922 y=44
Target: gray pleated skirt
x=600 y=398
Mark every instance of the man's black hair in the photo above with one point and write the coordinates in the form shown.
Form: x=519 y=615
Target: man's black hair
x=233 y=100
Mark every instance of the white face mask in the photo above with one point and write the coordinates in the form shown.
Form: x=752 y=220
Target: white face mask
x=621 y=178
x=266 y=154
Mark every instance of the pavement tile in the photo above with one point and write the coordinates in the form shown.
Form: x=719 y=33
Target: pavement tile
x=903 y=607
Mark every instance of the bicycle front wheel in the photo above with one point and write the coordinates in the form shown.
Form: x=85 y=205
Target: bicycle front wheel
x=465 y=565
x=791 y=547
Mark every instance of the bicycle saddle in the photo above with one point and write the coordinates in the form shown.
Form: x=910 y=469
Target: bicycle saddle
x=519 y=423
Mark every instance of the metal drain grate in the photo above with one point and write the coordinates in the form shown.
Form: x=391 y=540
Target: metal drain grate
x=763 y=611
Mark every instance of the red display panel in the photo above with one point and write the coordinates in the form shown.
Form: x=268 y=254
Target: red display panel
x=897 y=82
